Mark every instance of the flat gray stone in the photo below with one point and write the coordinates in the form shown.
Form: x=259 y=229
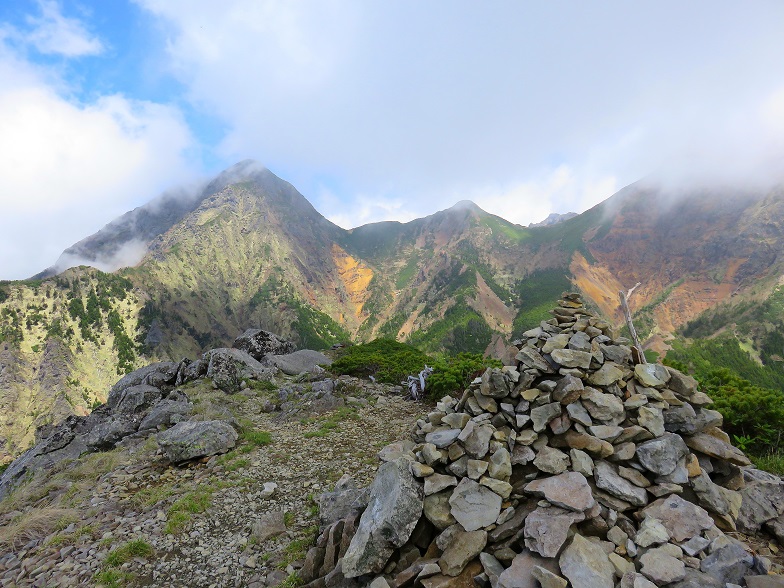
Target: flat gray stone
x=607 y=478
x=572 y=359
x=682 y=519
x=662 y=455
x=520 y=573
x=541 y=415
x=442 y=438
x=652 y=375
x=463 y=547
x=547 y=529
x=474 y=506
x=551 y=460
x=661 y=567
x=606 y=408
x=569 y=490
x=585 y=564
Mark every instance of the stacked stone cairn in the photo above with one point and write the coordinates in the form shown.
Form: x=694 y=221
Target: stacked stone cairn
x=572 y=467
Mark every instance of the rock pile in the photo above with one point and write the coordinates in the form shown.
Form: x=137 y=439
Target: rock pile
x=147 y=400
x=575 y=466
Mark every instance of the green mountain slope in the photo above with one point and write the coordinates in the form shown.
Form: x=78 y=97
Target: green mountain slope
x=250 y=251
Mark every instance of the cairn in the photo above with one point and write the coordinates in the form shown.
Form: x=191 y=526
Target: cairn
x=574 y=467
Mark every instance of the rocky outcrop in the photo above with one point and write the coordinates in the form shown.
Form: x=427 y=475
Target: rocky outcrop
x=574 y=466
x=145 y=401
x=258 y=343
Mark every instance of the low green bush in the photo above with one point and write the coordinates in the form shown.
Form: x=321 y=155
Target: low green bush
x=386 y=360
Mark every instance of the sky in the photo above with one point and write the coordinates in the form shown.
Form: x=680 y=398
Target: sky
x=377 y=110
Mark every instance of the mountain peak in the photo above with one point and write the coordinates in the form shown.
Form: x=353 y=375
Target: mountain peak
x=466 y=205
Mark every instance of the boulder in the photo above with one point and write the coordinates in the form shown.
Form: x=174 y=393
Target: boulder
x=228 y=367
x=299 y=362
x=393 y=510
x=192 y=439
x=258 y=343
x=162 y=412
x=155 y=374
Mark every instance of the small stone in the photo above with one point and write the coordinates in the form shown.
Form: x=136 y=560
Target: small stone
x=474 y=506
x=421 y=470
x=547 y=529
x=476 y=468
x=438 y=482
x=586 y=565
x=542 y=415
x=548 y=579
x=651 y=532
x=581 y=462
x=551 y=460
x=661 y=567
x=568 y=490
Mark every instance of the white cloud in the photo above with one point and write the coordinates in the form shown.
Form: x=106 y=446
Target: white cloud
x=558 y=190
x=53 y=33
x=70 y=167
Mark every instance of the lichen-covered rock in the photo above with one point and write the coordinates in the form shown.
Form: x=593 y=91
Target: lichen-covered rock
x=192 y=439
x=155 y=374
x=258 y=343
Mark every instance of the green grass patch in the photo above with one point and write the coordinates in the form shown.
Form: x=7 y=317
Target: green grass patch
x=151 y=496
x=180 y=513
x=770 y=462
x=257 y=438
x=127 y=551
x=113 y=578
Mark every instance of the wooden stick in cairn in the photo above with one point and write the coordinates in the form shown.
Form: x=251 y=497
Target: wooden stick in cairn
x=637 y=351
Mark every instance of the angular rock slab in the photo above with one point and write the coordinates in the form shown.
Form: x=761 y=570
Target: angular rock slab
x=682 y=519
x=258 y=343
x=191 y=439
x=464 y=547
x=569 y=490
x=608 y=479
x=520 y=573
x=393 y=511
x=547 y=529
x=661 y=455
x=474 y=506
x=586 y=565
x=715 y=447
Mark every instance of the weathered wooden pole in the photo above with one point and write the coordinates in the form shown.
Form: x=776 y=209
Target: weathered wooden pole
x=640 y=355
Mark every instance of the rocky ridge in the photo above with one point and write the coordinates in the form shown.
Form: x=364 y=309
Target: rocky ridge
x=147 y=399
x=573 y=466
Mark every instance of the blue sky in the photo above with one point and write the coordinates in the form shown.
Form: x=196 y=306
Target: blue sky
x=375 y=111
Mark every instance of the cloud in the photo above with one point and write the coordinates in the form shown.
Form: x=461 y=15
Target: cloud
x=70 y=167
x=429 y=103
x=52 y=33
x=561 y=190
